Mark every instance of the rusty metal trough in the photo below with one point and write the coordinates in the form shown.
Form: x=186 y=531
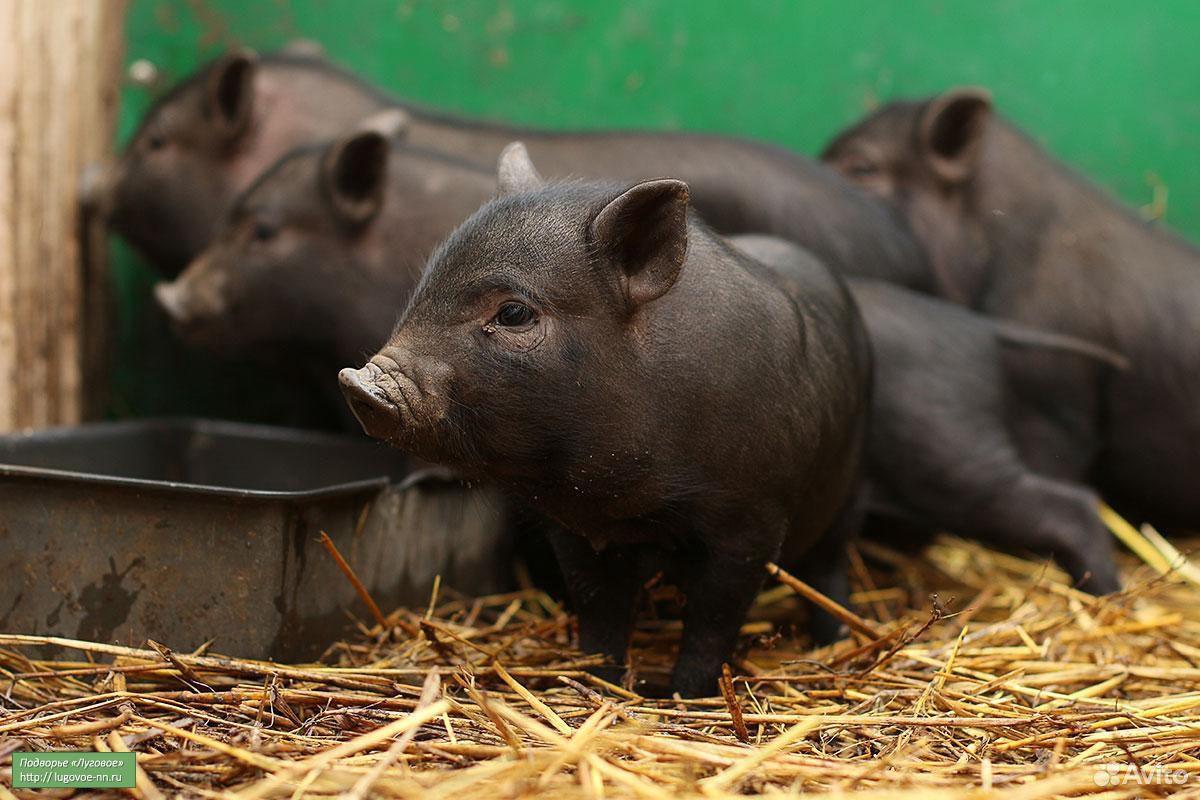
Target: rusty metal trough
x=183 y=531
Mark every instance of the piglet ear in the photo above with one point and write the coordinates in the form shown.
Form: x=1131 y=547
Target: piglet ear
x=354 y=168
x=516 y=172
x=354 y=175
x=229 y=94
x=644 y=232
x=391 y=123
x=951 y=131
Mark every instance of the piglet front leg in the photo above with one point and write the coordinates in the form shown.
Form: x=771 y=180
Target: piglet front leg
x=720 y=590
x=605 y=587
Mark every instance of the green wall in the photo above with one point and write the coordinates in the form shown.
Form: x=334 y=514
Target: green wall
x=1113 y=87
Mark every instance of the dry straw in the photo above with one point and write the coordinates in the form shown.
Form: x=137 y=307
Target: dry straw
x=972 y=674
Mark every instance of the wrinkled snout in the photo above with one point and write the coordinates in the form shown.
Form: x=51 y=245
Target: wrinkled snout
x=379 y=416
x=403 y=399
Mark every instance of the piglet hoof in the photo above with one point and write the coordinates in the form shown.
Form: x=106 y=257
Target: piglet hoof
x=1091 y=572
x=1100 y=582
x=825 y=629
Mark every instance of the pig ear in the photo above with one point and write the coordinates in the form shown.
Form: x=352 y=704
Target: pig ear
x=951 y=129
x=645 y=232
x=516 y=171
x=229 y=94
x=354 y=175
x=391 y=123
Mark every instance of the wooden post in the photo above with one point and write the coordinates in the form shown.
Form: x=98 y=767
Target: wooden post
x=60 y=66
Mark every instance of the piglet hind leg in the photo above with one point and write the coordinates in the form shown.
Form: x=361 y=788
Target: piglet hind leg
x=604 y=587
x=826 y=568
x=1052 y=517
x=829 y=575
x=720 y=590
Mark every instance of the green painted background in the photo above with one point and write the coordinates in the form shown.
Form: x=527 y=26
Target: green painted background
x=1113 y=87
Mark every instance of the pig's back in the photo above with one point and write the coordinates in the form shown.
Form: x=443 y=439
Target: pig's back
x=312 y=99
x=807 y=281
x=739 y=186
x=912 y=335
x=794 y=268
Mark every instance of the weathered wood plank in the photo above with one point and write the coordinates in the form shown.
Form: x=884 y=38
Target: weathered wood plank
x=59 y=72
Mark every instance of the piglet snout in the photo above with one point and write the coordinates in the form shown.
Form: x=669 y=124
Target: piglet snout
x=170 y=298
x=97 y=185
x=378 y=416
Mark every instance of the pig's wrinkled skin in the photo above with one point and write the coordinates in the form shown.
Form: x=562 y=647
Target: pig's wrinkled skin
x=670 y=402
x=951 y=393
x=210 y=138
x=1014 y=233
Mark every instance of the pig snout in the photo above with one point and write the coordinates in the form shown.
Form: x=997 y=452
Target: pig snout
x=195 y=301
x=378 y=415
x=399 y=398
x=97 y=187
x=171 y=297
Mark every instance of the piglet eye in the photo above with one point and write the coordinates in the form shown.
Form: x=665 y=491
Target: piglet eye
x=861 y=169
x=514 y=315
x=264 y=231
x=156 y=141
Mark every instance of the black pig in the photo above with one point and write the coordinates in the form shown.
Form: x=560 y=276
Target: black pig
x=953 y=392
x=317 y=255
x=669 y=401
x=210 y=137
x=1016 y=234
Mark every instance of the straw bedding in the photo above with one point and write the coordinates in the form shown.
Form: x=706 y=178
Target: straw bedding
x=974 y=674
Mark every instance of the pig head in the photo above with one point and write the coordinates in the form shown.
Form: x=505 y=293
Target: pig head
x=486 y=339
x=209 y=138
x=922 y=157
x=316 y=257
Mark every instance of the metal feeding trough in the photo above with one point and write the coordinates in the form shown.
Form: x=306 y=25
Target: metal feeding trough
x=183 y=531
